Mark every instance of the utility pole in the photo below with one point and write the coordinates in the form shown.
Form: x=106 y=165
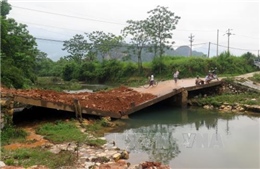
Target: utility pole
x=228 y=34
x=209 y=50
x=191 y=40
x=217 y=41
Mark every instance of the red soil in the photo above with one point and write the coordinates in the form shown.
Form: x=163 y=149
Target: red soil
x=116 y=100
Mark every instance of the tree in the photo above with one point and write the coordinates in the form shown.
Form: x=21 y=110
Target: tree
x=140 y=38
x=18 y=51
x=161 y=23
x=78 y=48
x=44 y=65
x=249 y=57
x=103 y=43
x=5 y=8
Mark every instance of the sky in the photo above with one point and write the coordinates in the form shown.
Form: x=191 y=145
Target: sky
x=53 y=21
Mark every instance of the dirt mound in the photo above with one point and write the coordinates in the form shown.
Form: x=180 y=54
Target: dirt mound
x=116 y=100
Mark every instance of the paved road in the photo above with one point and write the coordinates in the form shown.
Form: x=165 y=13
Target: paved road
x=248 y=82
x=165 y=87
x=168 y=85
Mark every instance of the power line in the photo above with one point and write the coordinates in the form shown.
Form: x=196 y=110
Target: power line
x=56 y=32
x=236 y=48
x=248 y=37
x=110 y=22
x=55 y=40
x=77 y=17
x=186 y=30
x=199 y=44
x=52 y=40
x=103 y=21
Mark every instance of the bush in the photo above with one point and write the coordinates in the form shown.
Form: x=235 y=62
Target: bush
x=60 y=132
x=256 y=77
x=11 y=134
x=37 y=156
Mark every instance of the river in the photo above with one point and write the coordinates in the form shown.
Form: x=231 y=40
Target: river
x=190 y=138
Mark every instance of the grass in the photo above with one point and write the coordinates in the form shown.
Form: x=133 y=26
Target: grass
x=243 y=98
x=255 y=78
x=95 y=142
x=11 y=134
x=28 y=157
x=97 y=126
x=57 y=132
x=60 y=132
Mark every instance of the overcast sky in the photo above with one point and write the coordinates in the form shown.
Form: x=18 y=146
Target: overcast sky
x=62 y=19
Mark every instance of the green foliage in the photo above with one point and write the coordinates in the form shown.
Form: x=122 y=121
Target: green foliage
x=95 y=142
x=9 y=161
x=44 y=65
x=116 y=71
x=161 y=23
x=11 y=134
x=58 y=67
x=5 y=8
x=71 y=71
x=229 y=80
x=88 y=71
x=139 y=38
x=11 y=76
x=100 y=44
x=18 y=52
x=110 y=70
x=152 y=34
x=29 y=157
x=256 y=78
x=229 y=64
x=78 y=48
x=98 y=125
x=249 y=58
x=158 y=66
x=60 y=132
x=243 y=98
x=103 y=43
x=129 y=69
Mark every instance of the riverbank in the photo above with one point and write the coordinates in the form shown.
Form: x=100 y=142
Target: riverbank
x=240 y=95
x=92 y=152
x=85 y=155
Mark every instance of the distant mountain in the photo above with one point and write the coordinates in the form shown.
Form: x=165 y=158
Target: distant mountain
x=54 y=52
x=185 y=51
x=180 y=51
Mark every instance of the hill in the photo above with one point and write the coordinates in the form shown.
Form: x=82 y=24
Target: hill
x=54 y=52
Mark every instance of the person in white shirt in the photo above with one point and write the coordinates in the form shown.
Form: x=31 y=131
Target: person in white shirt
x=151 y=79
x=175 y=76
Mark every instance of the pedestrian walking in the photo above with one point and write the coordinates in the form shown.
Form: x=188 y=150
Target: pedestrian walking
x=175 y=76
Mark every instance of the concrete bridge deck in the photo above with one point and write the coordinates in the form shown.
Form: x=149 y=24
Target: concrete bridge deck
x=167 y=89
x=164 y=90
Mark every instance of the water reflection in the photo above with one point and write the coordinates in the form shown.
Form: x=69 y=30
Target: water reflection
x=157 y=141
x=171 y=136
